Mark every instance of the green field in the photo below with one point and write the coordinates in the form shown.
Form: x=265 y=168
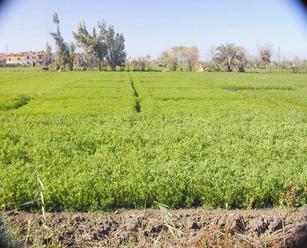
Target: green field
x=106 y=140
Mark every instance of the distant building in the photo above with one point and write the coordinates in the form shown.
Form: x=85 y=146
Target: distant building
x=15 y=59
x=2 y=59
x=25 y=59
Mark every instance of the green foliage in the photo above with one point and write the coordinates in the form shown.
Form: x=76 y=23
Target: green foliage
x=65 y=52
x=180 y=57
x=213 y=139
x=106 y=46
x=115 y=42
x=229 y=56
x=9 y=103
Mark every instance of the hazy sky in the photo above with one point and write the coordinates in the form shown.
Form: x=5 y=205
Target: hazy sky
x=152 y=26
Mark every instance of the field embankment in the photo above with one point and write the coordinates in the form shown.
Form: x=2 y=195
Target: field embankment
x=164 y=228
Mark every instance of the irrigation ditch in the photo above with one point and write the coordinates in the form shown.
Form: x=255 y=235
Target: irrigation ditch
x=137 y=105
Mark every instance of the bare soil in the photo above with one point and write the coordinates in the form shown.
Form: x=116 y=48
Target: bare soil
x=160 y=228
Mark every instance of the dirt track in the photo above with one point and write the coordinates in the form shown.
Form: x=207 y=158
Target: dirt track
x=163 y=228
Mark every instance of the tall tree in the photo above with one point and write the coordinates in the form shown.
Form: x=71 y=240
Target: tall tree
x=180 y=56
x=229 y=55
x=56 y=21
x=71 y=55
x=265 y=54
x=93 y=44
x=47 y=55
x=191 y=56
x=115 y=43
x=65 y=52
x=104 y=45
x=55 y=18
x=168 y=59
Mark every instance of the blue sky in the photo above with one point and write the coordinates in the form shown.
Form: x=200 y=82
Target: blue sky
x=153 y=26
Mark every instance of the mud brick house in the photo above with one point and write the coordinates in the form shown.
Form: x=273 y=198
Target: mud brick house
x=25 y=59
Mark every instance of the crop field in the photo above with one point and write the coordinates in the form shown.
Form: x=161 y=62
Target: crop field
x=108 y=140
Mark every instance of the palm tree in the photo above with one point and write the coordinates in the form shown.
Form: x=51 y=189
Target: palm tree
x=229 y=55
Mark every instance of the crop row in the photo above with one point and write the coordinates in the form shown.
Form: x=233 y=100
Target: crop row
x=111 y=162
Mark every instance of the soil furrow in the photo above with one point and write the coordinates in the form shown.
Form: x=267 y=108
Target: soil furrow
x=137 y=105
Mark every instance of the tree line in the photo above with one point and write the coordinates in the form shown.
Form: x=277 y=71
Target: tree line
x=101 y=47
x=226 y=57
